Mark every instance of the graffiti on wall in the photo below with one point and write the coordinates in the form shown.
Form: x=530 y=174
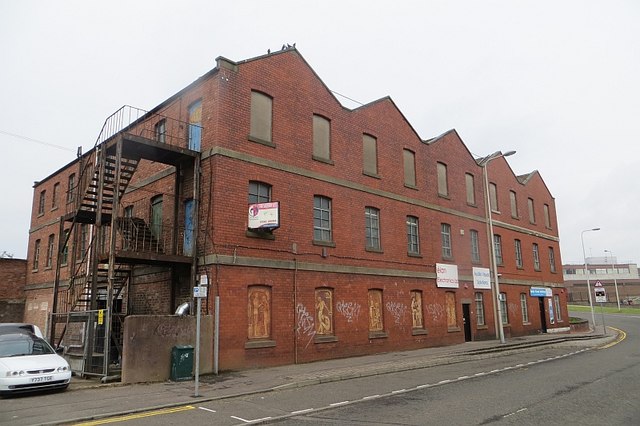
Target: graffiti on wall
x=397 y=311
x=350 y=310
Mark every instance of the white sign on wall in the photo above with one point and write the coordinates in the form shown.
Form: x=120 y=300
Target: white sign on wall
x=482 y=278
x=447 y=275
x=264 y=216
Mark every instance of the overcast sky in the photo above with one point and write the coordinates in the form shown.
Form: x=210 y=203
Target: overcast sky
x=557 y=81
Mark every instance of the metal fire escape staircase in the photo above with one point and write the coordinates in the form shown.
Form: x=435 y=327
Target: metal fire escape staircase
x=108 y=243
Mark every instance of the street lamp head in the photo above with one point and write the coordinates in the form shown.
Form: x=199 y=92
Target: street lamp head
x=595 y=229
x=508 y=153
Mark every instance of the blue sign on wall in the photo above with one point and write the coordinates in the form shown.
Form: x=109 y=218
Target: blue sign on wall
x=539 y=292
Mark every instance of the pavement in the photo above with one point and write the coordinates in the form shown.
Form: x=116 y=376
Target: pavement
x=135 y=398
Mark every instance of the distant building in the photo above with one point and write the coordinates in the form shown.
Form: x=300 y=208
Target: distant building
x=325 y=232
x=608 y=272
x=13 y=278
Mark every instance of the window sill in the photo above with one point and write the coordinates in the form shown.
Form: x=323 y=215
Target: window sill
x=323 y=243
x=445 y=196
x=257 y=344
x=325 y=339
x=373 y=250
x=482 y=327
x=453 y=329
x=377 y=335
x=419 y=332
x=322 y=160
x=407 y=185
x=261 y=141
x=416 y=255
x=53 y=209
x=373 y=175
x=265 y=235
x=474 y=205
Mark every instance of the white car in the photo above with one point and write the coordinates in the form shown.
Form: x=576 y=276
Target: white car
x=28 y=363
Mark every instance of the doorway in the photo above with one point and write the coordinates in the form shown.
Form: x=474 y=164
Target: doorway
x=543 y=317
x=466 y=320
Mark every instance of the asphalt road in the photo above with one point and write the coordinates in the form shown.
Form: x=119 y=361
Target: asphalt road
x=565 y=384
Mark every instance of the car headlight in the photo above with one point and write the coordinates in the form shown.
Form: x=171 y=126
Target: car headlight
x=15 y=373
x=62 y=369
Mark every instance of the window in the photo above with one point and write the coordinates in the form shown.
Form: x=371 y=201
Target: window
x=518 y=246
x=493 y=197
x=556 y=302
x=54 y=196
x=475 y=246
x=445 y=232
x=503 y=308
x=547 y=216
x=156 y=216
x=64 y=258
x=321 y=138
x=259 y=192
x=417 y=319
x=514 y=204
x=370 y=155
x=524 y=308
x=409 y=159
x=497 y=246
x=84 y=236
x=376 y=317
x=160 y=131
x=261 y=118
x=479 y=309
x=41 y=202
x=450 y=301
x=71 y=187
x=413 y=243
x=471 y=190
x=36 y=254
x=552 y=260
x=322 y=218
x=372 y=228
x=50 y=250
x=324 y=312
x=532 y=214
x=443 y=187
x=128 y=211
x=259 y=312
x=536 y=257
x=195 y=125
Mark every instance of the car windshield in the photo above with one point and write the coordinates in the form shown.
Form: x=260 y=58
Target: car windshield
x=20 y=345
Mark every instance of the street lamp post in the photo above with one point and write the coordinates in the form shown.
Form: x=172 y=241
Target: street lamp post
x=615 y=279
x=586 y=273
x=496 y=286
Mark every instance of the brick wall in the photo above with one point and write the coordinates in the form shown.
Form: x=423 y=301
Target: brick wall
x=13 y=277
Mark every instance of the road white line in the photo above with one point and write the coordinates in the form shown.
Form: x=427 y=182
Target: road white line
x=442 y=382
x=398 y=391
x=241 y=419
x=482 y=373
x=371 y=397
x=302 y=411
x=462 y=378
x=338 y=403
x=423 y=386
x=207 y=409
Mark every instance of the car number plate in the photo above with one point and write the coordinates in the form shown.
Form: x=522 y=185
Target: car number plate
x=41 y=379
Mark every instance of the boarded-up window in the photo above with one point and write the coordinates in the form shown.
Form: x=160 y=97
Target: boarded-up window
x=370 y=155
x=261 y=118
x=547 y=216
x=450 y=300
x=416 y=309
x=471 y=190
x=321 y=138
x=324 y=311
x=409 y=167
x=376 y=321
x=259 y=312
x=514 y=204
x=532 y=213
x=493 y=197
x=443 y=187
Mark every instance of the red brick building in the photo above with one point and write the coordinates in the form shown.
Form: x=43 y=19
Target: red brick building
x=379 y=230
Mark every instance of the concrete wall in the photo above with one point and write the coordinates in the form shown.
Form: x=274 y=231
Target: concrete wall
x=149 y=339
